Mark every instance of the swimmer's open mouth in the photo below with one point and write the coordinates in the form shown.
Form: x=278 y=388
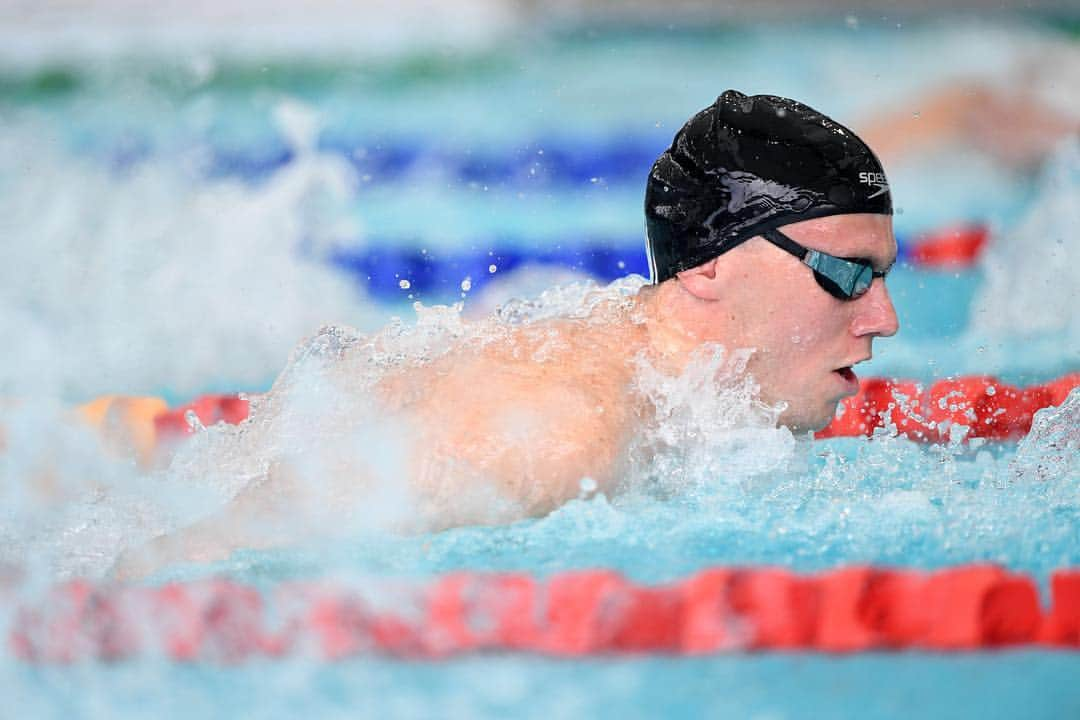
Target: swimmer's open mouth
x=847 y=373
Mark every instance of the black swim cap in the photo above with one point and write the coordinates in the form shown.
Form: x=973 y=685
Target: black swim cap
x=748 y=164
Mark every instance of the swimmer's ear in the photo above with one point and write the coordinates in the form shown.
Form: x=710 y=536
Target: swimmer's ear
x=702 y=281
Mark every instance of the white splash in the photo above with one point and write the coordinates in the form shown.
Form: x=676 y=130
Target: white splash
x=1051 y=450
x=708 y=424
x=160 y=278
x=1032 y=284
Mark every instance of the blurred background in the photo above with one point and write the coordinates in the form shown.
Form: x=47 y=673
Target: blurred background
x=188 y=189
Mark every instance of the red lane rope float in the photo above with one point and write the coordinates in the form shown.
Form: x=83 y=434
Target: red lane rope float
x=987 y=407
x=209 y=409
x=958 y=246
x=571 y=614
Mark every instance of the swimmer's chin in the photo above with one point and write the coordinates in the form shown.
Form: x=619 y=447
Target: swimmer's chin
x=802 y=425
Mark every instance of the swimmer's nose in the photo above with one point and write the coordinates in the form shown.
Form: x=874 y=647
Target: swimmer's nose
x=876 y=314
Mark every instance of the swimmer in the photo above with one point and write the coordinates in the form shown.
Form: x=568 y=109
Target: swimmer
x=768 y=226
x=1016 y=128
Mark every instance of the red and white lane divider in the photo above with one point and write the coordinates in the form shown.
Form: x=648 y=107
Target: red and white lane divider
x=570 y=614
x=987 y=407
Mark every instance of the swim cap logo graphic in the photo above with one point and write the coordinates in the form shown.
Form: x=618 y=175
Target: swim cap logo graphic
x=877 y=180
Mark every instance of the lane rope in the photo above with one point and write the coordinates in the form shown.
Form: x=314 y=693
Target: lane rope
x=579 y=613
x=380 y=265
x=976 y=406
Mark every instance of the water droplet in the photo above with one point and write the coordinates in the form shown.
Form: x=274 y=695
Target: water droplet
x=466 y=284
x=404 y=284
x=192 y=420
x=492 y=268
x=852 y=22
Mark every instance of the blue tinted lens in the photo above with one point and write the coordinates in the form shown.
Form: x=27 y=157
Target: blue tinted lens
x=863 y=280
x=850 y=279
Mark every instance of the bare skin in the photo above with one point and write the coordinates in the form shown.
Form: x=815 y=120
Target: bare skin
x=528 y=417
x=532 y=427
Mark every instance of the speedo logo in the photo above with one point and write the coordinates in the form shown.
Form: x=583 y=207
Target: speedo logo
x=877 y=180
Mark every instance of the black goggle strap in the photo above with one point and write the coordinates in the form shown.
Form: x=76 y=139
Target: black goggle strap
x=783 y=242
x=840 y=277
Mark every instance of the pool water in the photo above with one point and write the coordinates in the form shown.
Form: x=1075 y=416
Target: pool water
x=178 y=221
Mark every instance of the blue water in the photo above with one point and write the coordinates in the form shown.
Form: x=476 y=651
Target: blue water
x=176 y=233
x=1000 y=685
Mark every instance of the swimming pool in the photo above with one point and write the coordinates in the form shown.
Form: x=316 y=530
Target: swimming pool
x=179 y=220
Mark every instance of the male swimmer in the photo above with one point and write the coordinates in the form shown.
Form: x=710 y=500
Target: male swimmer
x=769 y=227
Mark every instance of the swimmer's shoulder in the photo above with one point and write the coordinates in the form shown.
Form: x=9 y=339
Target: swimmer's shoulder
x=547 y=367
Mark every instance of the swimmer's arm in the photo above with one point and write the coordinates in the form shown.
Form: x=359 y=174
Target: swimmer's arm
x=534 y=443
x=257 y=517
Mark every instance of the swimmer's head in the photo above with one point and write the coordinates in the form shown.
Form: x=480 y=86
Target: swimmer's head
x=749 y=164
x=773 y=225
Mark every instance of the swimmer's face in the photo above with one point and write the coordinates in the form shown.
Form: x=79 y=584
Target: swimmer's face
x=805 y=340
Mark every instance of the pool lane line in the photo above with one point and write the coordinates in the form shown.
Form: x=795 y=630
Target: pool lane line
x=571 y=614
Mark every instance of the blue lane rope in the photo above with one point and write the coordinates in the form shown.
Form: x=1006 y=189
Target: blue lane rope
x=551 y=162
x=380 y=269
x=382 y=264
x=540 y=162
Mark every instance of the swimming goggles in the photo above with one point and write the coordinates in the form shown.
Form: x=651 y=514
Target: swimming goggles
x=843 y=278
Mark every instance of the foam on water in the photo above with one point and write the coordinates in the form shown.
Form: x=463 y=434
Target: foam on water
x=1051 y=451
x=1032 y=271
x=159 y=279
x=709 y=425
x=69 y=506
